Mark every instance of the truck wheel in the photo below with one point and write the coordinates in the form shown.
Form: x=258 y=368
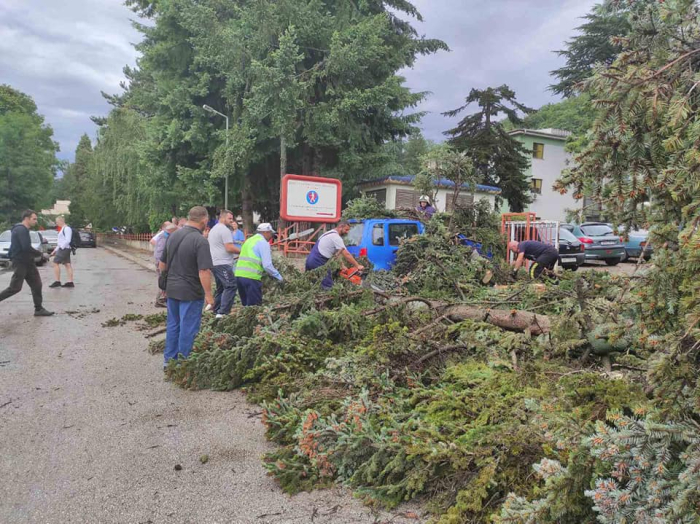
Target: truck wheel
x=612 y=261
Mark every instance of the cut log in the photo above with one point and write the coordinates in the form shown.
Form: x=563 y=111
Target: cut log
x=512 y=320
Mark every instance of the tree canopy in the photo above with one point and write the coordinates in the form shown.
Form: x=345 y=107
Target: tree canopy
x=28 y=160
x=308 y=86
x=596 y=44
x=499 y=158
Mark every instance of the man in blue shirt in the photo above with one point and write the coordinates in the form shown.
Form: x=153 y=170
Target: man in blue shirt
x=238 y=236
x=545 y=256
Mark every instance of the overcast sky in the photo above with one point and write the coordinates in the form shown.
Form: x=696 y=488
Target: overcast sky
x=64 y=52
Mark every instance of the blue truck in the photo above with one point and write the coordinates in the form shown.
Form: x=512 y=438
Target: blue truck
x=378 y=239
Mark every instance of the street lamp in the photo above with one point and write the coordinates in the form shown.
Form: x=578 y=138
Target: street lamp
x=212 y=110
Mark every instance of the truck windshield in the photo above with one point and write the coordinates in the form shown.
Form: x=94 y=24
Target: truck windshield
x=354 y=236
x=398 y=232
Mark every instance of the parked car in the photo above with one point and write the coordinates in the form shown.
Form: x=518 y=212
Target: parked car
x=378 y=239
x=600 y=242
x=51 y=236
x=38 y=242
x=636 y=243
x=87 y=239
x=572 y=253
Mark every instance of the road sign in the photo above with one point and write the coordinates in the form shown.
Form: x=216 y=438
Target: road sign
x=310 y=199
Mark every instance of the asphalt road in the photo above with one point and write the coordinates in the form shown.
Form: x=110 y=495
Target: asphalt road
x=91 y=433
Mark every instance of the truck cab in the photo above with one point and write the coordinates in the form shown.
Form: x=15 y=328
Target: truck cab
x=378 y=239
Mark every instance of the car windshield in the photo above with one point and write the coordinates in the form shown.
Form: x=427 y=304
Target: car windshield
x=354 y=236
x=566 y=235
x=49 y=233
x=35 y=237
x=6 y=236
x=598 y=230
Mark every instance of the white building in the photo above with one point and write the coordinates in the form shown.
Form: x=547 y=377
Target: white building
x=398 y=192
x=59 y=208
x=548 y=160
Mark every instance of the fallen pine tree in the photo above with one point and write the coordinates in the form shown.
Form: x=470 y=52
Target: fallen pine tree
x=405 y=396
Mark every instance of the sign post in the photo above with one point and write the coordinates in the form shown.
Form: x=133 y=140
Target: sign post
x=310 y=199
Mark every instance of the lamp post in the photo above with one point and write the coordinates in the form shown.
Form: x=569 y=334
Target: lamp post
x=212 y=110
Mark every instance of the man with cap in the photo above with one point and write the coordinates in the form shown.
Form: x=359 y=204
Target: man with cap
x=254 y=260
x=544 y=256
x=329 y=245
x=425 y=207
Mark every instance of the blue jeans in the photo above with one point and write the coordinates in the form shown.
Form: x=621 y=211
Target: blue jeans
x=184 y=319
x=250 y=291
x=225 y=289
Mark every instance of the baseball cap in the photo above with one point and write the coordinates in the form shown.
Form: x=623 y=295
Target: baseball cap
x=266 y=226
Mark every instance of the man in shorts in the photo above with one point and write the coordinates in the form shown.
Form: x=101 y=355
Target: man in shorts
x=62 y=254
x=543 y=255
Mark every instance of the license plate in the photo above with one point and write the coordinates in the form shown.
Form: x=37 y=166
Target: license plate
x=608 y=243
x=568 y=260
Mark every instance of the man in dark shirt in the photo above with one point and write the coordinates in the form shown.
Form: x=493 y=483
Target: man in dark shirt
x=187 y=260
x=544 y=256
x=22 y=255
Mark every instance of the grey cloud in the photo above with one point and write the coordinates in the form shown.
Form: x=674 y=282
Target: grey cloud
x=492 y=43
x=63 y=53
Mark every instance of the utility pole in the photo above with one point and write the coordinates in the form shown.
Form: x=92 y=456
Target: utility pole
x=212 y=110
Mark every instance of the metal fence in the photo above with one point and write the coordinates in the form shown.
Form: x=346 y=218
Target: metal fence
x=525 y=226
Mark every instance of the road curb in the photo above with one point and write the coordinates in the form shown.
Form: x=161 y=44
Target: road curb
x=131 y=258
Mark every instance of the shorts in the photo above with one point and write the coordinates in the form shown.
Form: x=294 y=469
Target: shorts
x=62 y=256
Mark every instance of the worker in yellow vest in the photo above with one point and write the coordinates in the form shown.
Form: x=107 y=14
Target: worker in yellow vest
x=254 y=260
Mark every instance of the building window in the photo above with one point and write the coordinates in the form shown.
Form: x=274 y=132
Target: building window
x=379 y=194
x=463 y=201
x=405 y=198
x=538 y=150
x=536 y=185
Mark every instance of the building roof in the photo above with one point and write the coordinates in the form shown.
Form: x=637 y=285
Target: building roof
x=406 y=180
x=554 y=134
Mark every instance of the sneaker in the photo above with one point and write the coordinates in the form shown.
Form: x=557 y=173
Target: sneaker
x=56 y=284
x=68 y=284
x=219 y=315
x=42 y=313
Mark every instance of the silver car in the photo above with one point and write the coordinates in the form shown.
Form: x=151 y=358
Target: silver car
x=51 y=236
x=38 y=242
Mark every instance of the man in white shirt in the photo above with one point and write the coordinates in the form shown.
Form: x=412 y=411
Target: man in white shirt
x=328 y=246
x=223 y=250
x=62 y=253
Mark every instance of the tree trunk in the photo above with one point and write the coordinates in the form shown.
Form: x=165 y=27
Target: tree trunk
x=247 y=206
x=283 y=159
x=283 y=171
x=512 y=320
x=509 y=319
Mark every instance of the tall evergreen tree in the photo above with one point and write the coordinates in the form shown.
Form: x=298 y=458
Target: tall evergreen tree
x=312 y=85
x=28 y=160
x=499 y=158
x=596 y=44
x=77 y=182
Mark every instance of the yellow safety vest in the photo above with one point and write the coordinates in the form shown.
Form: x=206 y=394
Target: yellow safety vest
x=249 y=264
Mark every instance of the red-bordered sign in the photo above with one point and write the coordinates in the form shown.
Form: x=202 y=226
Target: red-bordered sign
x=311 y=199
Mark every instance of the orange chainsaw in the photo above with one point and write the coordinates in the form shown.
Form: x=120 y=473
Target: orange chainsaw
x=352 y=274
